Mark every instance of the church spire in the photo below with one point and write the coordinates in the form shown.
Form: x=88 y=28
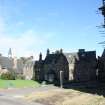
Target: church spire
x=40 y=56
x=48 y=51
x=10 y=53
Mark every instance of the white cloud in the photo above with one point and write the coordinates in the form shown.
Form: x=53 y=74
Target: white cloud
x=25 y=44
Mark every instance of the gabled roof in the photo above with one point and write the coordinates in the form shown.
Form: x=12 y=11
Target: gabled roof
x=52 y=58
x=68 y=57
x=38 y=63
x=71 y=57
x=81 y=56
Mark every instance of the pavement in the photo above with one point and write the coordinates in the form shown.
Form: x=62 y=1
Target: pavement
x=4 y=100
x=14 y=96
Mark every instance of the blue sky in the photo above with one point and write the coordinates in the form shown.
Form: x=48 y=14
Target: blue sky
x=32 y=26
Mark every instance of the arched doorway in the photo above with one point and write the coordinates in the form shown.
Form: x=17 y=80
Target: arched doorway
x=50 y=76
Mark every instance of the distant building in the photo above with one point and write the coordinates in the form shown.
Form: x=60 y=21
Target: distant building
x=80 y=66
x=10 y=64
x=28 y=68
x=18 y=65
x=10 y=53
x=6 y=64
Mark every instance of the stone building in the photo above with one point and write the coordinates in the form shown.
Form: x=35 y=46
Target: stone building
x=28 y=68
x=9 y=64
x=18 y=65
x=22 y=66
x=53 y=64
x=80 y=66
x=101 y=67
x=6 y=64
x=38 y=69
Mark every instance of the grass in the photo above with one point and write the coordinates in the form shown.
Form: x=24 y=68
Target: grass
x=18 y=83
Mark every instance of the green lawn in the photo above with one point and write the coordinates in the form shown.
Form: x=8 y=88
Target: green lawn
x=18 y=83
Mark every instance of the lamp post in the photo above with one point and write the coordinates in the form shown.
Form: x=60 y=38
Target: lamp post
x=61 y=79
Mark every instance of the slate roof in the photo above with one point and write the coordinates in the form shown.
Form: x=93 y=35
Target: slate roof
x=80 y=56
x=38 y=63
x=52 y=58
x=70 y=57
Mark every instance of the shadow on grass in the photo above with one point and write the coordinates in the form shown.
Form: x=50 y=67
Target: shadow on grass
x=88 y=87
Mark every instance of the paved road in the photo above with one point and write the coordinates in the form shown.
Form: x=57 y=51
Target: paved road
x=14 y=96
x=25 y=91
x=14 y=101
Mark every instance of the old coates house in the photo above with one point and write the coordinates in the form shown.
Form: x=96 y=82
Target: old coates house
x=80 y=66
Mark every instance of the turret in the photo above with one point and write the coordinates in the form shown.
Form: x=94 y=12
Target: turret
x=48 y=52
x=40 y=56
x=61 y=50
x=10 y=53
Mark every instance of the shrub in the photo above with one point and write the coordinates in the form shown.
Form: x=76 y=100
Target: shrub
x=20 y=76
x=7 y=76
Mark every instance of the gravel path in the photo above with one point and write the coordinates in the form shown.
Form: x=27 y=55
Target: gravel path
x=14 y=96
